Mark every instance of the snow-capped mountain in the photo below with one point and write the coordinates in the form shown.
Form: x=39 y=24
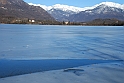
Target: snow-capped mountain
x=77 y=9
x=112 y=4
x=60 y=12
x=69 y=13
x=100 y=12
x=60 y=7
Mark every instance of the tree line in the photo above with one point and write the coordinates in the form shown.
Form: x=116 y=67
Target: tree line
x=96 y=22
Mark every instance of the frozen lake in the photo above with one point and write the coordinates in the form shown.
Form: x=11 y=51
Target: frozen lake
x=61 y=42
x=61 y=54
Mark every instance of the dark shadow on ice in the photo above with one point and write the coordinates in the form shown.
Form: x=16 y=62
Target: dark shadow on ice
x=19 y=67
x=75 y=71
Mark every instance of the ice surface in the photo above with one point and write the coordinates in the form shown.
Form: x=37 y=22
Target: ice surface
x=18 y=67
x=97 y=73
x=61 y=42
x=35 y=42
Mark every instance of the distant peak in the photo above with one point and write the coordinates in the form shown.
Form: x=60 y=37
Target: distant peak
x=112 y=4
x=78 y=9
x=67 y=8
x=59 y=6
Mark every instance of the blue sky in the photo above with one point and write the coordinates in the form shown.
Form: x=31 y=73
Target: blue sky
x=78 y=3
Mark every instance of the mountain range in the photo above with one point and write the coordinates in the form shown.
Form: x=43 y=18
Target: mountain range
x=104 y=10
x=14 y=10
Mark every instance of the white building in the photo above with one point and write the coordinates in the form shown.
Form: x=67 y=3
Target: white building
x=32 y=21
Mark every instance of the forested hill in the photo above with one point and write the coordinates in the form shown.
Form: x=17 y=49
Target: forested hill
x=18 y=9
